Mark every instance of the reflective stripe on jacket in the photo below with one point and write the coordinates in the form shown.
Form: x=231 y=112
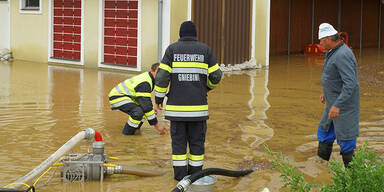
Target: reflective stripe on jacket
x=190 y=70
x=136 y=90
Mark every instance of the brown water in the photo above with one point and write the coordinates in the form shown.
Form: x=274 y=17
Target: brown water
x=42 y=106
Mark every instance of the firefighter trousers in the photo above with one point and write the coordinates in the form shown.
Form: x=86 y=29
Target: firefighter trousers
x=191 y=133
x=135 y=120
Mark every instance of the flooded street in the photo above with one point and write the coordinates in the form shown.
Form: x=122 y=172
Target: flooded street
x=42 y=106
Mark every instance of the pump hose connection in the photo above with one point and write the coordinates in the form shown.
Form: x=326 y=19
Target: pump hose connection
x=184 y=183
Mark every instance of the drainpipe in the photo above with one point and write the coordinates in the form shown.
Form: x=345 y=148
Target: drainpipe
x=339 y=16
x=313 y=20
x=289 y=27
x=160 y=30
x=361 y=25
x=379 y=32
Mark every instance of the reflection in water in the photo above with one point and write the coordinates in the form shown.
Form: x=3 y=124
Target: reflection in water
x=4 y=78
x=41 y=107
x=257 y=130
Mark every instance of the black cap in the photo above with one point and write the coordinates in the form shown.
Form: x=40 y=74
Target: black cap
x=187 y=28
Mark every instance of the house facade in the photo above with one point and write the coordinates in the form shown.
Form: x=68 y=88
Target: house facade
x=116 y=34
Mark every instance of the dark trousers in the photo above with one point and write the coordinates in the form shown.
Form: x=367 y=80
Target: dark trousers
x=136 y=113
x=191 y=133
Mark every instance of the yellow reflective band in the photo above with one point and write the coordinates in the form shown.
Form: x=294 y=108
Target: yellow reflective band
x=186 y=108
x=213 y=68
x=196 y=157
x=150 y=113
x=142 y=94
x=211 y=85
x=160 y=89
x=109 y=165
x=124 y=88
x=134 y=121
x=190 y=64
x=165 y=67
x=179 y=157
x=119 y=99
x=114 y=92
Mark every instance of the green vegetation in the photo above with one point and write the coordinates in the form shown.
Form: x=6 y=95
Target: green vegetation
x=366 y=173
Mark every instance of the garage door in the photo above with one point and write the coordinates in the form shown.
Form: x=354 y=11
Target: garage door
x=67 y=29
x=120 y=32
x=225 y=27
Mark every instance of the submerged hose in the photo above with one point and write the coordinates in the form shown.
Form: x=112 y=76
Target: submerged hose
x=183 y=184
x=122 y=169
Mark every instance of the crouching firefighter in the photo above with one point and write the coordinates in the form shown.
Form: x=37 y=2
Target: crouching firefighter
x=191 y=70
x=133 y=97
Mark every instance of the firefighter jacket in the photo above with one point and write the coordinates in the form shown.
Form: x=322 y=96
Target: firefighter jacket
x=135 y=90
x=189 y=69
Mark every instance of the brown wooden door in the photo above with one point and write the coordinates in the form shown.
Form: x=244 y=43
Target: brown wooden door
x=370 y=28
x=279 y=27
x=225 y=26
x=350 y=21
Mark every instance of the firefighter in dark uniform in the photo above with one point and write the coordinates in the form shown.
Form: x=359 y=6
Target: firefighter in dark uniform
x=133 y=97
x=191 y=70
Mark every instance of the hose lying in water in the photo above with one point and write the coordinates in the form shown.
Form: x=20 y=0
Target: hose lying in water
x=122 y=169
x=183 y=184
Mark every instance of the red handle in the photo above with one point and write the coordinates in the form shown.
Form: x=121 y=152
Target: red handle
x=98 y=136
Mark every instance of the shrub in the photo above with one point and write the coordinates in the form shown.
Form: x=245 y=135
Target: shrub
x=366 y=173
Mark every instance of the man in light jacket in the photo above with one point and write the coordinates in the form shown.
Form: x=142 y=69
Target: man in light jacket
x=341 y=94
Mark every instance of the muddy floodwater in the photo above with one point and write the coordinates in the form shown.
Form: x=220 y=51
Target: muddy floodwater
x=42 y=106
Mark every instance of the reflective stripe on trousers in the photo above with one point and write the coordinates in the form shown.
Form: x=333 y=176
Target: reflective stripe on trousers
x=179 y=160
x=196 y=160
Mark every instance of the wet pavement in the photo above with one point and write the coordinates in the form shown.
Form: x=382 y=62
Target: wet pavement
x=42 y=106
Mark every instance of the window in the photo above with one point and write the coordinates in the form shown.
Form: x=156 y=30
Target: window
x=30 y=5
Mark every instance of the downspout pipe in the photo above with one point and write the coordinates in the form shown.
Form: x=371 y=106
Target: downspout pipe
x=380 y=22
x=160 y=30
x=88 y=134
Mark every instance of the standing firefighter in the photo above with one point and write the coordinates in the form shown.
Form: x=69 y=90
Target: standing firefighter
x=191 y=70
x=133 y=97
x=341 y=93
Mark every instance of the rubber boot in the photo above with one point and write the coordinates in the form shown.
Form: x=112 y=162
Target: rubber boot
x=194 y=169
x=347 y=158
x=128 y=130
x=180 y=172
x=324 y=150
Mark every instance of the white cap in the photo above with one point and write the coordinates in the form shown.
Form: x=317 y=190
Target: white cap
x=325 y=30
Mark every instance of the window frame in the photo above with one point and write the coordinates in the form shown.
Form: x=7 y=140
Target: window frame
x=30 y=10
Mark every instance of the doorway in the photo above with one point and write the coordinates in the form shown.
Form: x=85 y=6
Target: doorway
x=5 y=24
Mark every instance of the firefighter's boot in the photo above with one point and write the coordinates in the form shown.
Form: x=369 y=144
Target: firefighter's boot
x=128 y=130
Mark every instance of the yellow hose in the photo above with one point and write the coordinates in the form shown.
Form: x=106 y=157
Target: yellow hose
x=16 y=184
x=57 y=164
x=113 y=158
x=34 y=184
x=109 y=165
